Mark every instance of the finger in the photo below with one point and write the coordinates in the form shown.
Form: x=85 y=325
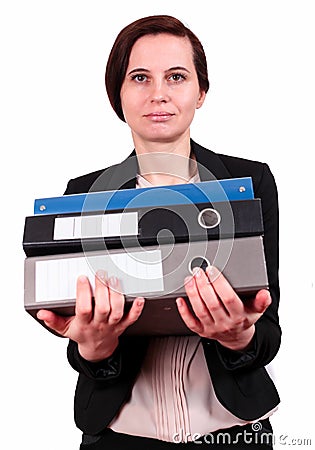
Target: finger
x=133 y=314
x=83 y=306
x=199 y=307
x=190 y=321
x=209 y=296
x=101 y=297
x=261 y=301
x=225 y=292
x=55 y=322
x=116 y=301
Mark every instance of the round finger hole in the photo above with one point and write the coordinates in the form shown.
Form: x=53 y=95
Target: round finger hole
x=165 y=236
x=200 y=262
x=209 y=218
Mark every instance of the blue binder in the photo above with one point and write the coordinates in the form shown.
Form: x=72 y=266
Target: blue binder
x=179 y=194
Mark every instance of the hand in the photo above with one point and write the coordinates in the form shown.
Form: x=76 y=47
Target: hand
x=95 y=328
x=220 y=313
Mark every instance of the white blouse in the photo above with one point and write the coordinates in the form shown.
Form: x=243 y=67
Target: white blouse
x=173 y=397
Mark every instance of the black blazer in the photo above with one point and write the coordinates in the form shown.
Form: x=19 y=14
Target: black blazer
x=240 y=381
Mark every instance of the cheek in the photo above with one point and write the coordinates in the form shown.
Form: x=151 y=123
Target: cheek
x=131 y=109
x=189 y=101
x=130 y=100
x=127 y=108
x=124 y=100
x=188 y=108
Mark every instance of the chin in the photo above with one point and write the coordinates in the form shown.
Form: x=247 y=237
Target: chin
x=164 y=137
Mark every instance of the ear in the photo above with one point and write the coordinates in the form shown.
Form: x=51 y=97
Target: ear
x=201 y=99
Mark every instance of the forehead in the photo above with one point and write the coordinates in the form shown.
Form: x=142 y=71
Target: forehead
x=161 y=48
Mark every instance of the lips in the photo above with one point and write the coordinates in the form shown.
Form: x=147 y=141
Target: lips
x=159 y=116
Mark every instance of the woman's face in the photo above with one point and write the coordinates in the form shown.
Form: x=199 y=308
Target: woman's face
x=160 y=92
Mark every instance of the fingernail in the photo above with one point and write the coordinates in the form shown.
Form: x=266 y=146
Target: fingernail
x=82 y=278
x=197 y=271
x=113 y=281
x=101 y=274
x=140 y=301
x=179 y=302
x=189 y=281
x=212 y=271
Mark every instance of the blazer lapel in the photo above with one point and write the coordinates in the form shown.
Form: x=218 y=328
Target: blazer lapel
x=209 y=164
x=121 y=176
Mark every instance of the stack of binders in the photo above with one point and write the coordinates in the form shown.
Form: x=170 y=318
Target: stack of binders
x=150 y=239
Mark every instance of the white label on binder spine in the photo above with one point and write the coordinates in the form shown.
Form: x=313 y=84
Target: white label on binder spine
x=55 y=279
x=97 y=225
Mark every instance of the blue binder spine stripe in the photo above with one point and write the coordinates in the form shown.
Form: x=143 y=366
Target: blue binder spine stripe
x=206 y=191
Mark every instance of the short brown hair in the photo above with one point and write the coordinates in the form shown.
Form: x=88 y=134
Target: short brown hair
x=118 y=59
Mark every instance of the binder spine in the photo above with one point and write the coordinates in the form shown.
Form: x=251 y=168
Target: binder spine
x=141 y=227
x=206 y=191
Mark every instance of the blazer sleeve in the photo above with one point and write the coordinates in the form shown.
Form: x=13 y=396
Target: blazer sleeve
x=267 y=336
x=124 y=363
x=108 y=369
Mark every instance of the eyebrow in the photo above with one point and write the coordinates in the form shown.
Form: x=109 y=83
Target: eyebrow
x=141 y=69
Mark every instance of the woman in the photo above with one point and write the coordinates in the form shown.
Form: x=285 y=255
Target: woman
x=136 y=392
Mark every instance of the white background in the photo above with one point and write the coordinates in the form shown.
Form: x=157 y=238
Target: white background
x=56 y=123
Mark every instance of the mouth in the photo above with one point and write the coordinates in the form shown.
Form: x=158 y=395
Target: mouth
x=160 y=116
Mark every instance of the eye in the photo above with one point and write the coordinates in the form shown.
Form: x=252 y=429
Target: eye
x=177 y=77
x=139 y=77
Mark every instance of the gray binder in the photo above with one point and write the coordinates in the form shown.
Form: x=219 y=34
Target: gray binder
x=156 y=273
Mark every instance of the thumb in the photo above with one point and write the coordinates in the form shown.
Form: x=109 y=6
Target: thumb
x=262 y=301
x=57 y=323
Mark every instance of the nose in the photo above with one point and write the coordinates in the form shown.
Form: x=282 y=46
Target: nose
x=159 y=92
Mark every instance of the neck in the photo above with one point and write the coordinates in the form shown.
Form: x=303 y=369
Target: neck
x=166 y=163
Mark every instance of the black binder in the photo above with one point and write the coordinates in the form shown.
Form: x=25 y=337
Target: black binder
x=75 y=232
